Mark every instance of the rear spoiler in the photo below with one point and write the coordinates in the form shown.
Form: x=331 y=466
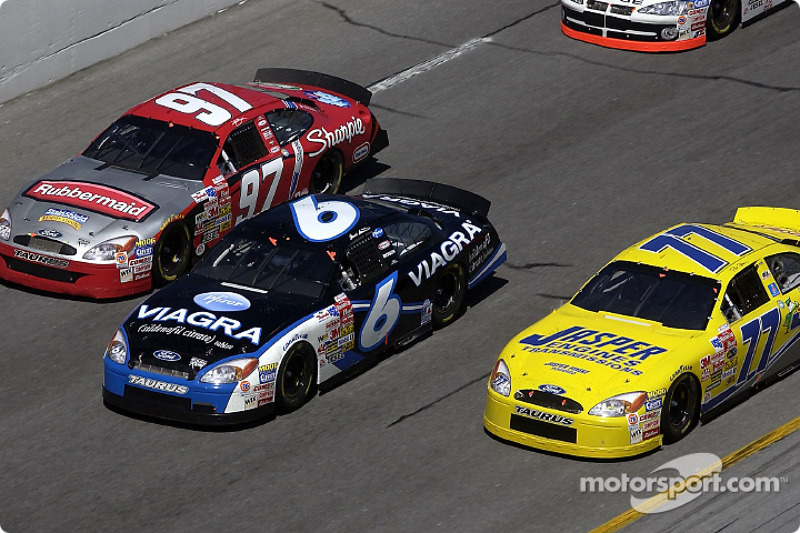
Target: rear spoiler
x=347 y=88
x=428 y=190
x=774 y=221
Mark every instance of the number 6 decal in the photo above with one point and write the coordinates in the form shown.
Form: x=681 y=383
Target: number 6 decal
x=323 y=221
x=382 y=315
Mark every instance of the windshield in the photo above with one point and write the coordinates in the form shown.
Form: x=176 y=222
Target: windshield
x=154 y=147
x=269 y=265
x=675 y=299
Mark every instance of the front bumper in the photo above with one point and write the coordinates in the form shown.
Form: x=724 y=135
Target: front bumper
x=615 y=26
x=200 y=404
x=66 y=275
x=586 y=436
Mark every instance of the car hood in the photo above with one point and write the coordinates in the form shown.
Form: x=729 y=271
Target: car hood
x=202 y=321
x=83 y=199
x=590 y=356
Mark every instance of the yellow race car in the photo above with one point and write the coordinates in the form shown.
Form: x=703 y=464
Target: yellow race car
x=675 y=326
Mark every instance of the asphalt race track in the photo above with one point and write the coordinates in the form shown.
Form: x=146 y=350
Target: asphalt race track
x=582 y=151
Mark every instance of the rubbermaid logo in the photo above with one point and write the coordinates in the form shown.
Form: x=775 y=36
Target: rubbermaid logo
x=222 y=301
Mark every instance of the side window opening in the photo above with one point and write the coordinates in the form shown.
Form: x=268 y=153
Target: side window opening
x=289 y=124
x=242 y=147
x=785 y=268
x=745 y=293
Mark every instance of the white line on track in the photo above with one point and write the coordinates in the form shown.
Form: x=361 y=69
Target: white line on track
x=430 y=64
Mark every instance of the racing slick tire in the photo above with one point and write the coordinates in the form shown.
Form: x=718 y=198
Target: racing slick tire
x=172 y=254
x=722 y=17
x=451 y=289
x=295 y=378
x=681 y=409
x=327 y=175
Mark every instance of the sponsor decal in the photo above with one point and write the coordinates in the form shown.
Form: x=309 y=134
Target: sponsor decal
x=448 y=251
x=296 y=337
x=121 y=258
x=633 y=419
x=773 y=289
x=157 y=385
x=222 y=301
x=196 y=362
x=650 y=433
x=41 y=259
x=361 y=152
x=658 y=393
x=65 y=216
x=565 y=368
x=443 y=209
x=267 y=373
x=50 y=233
x=650 y=415
x=245 y=386
x=636 y=436
x=126 y=275
x=328 y=139
x=201 y=319
x=140 y=261
x=327 y=98
x=653 y=405
x=651 y=424
x=546 y=417
x=679 y=371
x=427 y=312
x=166 y=355
x=614 y=351
x=99 y=198
x=700 y=3
x=552 y=389
x=251 y=401
x=377 y=233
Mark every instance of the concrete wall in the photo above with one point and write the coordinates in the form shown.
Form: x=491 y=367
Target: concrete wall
x=42 y=41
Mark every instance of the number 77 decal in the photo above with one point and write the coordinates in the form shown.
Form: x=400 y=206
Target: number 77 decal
x=751 y=334
x=673 y=239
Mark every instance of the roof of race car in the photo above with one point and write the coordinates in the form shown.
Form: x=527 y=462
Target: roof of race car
x=217 y=101
x=702 y=249
x=278 y=222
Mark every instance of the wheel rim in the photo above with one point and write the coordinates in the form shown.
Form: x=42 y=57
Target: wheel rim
x=327 y=175
x=680 y=411
x=449 y=287
x=721 y=15
x=295 y=376
x=173 y=254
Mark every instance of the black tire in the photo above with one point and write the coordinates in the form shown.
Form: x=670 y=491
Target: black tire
x=172 y=254
x=327 y=175
x=722 y=18
x=295 y=378
x=681 y=409
x=451 y=289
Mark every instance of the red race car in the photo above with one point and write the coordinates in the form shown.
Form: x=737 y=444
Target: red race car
x=174 y=174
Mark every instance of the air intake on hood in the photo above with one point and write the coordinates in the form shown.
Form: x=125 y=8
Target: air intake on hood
x=548 y=400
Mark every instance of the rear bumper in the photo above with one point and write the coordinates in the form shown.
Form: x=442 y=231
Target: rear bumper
x=51 y=273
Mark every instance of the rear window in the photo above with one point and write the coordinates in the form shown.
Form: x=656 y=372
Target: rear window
x=674 y=299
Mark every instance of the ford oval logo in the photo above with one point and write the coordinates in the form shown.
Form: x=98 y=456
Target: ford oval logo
x=222 y=301
x=166 y=355
x=47 y=232
x=552 y=389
